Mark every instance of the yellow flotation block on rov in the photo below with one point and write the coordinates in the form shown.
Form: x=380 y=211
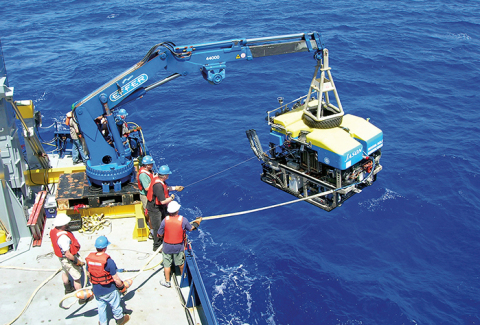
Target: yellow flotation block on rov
x=339 y=147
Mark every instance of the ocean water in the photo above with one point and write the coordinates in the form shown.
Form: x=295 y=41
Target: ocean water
x=404 y=251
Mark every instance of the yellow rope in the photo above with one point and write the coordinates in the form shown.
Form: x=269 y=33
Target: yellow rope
x=159 y=249
x=90 y=224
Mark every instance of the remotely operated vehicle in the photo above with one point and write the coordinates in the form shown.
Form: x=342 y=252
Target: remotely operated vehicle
x=316 y=148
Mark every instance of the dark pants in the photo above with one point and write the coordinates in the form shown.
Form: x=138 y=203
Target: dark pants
x=156 y=216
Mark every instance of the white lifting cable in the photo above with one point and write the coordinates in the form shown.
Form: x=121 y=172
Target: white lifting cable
x=47 y=127
x=33 y=295
x=271 y=206
x=25 y=268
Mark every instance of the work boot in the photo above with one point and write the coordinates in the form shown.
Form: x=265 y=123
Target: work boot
x=68 y=288
x=123 y=320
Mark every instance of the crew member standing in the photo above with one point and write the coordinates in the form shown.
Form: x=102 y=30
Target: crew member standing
x=75 y=134
x=173 y=230
x=66 y=247
x=158 y=196
x=105 y=281
x=144 y=179
x=122 y=125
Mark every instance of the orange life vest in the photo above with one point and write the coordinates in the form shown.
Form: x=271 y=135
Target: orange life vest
x=154 y=181
x=96 y=268
x=55 y=233
x=174 y=233
x=145 y=171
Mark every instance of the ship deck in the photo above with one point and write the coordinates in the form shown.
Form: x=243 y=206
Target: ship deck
x=146 y=300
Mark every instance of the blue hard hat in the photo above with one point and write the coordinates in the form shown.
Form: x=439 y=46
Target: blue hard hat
x=164 y=170
x=147 y=160
x=101 y=242
x=122 y=111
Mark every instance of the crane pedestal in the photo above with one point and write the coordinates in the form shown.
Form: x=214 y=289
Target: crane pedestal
x=76 y=196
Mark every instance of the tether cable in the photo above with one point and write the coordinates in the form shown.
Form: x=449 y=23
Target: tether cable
x=220 y=172
x=229 y=168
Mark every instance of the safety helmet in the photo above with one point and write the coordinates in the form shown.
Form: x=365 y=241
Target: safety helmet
x=61 y=219
x=147 y=160
x=164 y=170
x=69 y=114
x=101 y=242
x=173 y=207
x=122 y=113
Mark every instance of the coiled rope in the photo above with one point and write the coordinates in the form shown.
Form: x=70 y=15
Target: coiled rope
x=91 y=224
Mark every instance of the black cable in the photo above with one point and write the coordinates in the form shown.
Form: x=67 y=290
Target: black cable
x=30 y=172
x=95 y=189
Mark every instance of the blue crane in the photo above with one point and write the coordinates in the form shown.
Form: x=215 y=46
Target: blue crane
x=111 y=163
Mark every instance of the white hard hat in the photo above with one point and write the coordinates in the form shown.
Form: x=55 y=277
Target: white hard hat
x=61 y=220
x=69 y=114
x=173 y=207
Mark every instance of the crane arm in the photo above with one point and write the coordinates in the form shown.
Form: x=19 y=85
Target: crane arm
x=203 y=57
x=207 y=59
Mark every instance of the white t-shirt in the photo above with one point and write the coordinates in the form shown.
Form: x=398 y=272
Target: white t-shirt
x=64 y=243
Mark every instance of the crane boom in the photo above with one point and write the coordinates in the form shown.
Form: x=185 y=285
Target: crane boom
x=111 y=162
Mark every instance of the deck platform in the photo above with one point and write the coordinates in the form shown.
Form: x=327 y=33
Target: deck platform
x=74 y=190
x=146 y=300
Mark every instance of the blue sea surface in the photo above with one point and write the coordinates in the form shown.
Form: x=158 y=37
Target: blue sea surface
x=404 y=251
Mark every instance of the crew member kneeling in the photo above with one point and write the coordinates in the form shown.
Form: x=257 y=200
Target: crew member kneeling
x=173 y=230
x=105 y=281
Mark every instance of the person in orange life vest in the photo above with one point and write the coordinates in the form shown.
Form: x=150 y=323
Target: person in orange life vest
x=173 y=230
x=105 y=281
x=66 y=247
x=158 y=196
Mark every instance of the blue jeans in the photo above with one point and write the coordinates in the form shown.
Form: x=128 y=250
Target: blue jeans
x=112 y=299
x=77 y=148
